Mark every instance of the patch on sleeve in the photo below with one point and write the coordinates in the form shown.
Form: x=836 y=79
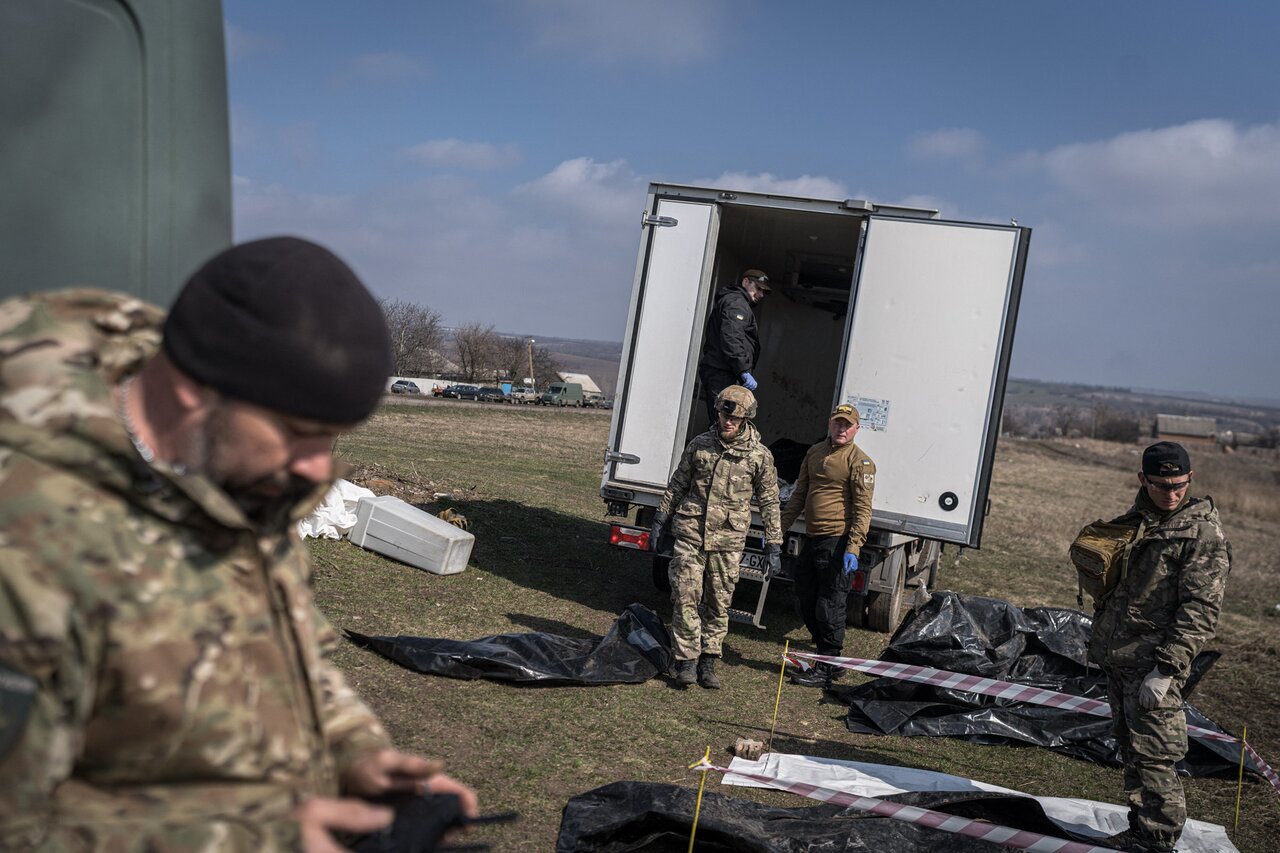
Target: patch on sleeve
x=17 y=698
x=739 y=316
x=868 y=479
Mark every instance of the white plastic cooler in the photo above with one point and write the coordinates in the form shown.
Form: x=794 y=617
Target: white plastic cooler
x=399 y=530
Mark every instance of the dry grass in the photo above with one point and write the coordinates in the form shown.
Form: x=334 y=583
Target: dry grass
x=528 y=480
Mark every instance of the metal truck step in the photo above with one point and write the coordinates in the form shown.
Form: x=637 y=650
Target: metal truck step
x=751 y=574
x=736 y=615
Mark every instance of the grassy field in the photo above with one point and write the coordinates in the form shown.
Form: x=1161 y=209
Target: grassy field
x=528 y=482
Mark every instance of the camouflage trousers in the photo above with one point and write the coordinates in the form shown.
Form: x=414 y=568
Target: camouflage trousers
x=1151 y=743
x=702 y=585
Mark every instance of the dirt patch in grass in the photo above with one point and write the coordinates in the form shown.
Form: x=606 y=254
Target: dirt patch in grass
x=528 y=481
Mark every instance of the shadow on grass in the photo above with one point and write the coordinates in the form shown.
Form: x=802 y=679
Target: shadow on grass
x=570 y=557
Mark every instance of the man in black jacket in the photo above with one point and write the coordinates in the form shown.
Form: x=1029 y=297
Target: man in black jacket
x=731 y=346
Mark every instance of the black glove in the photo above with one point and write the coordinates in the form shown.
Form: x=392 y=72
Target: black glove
x=660 y=520
x=773 y=554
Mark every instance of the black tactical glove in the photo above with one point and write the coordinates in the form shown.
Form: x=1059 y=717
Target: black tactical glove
x=660 y=520
x=773 y=556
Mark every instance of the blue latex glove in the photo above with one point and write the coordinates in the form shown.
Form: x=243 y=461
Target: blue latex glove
x=850 y=564
x=749 y=382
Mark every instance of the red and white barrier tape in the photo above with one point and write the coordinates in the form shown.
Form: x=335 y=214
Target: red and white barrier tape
x=1007 y=690
x=1019 y=839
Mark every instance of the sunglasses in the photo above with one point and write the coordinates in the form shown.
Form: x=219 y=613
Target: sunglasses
x=1169 y=487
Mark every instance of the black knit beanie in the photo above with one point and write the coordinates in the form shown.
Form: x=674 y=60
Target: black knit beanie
x=286 y=325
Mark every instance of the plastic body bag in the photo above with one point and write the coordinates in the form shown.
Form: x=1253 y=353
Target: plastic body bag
x=636 y=649
x=1043 y=647
x=634 y=816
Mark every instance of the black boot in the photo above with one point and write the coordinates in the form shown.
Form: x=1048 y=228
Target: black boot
x=818 y=676
x=685 y=673
x=707 y=672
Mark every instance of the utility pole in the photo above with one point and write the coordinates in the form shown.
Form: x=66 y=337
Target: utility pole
x=532 y=378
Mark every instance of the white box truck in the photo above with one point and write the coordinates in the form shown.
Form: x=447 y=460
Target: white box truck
x=905 y=315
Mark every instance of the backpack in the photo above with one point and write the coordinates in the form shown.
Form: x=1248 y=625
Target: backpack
x=1100 y=554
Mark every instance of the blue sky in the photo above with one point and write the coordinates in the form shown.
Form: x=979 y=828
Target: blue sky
x=490 y=159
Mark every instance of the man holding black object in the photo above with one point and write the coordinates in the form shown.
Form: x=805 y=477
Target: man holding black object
x=1147 y=631
x=165 y=675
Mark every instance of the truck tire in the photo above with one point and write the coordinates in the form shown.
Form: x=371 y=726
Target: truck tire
x=928 y=564
x=661 y=575
x=884 y=609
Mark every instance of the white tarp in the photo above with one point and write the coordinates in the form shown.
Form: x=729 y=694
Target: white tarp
x=1084 y=817
x=336 y=514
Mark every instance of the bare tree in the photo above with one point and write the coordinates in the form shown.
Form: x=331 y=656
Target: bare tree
x=477 y=348
x=416 y=337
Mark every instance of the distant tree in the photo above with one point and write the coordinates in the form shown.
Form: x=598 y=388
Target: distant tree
x=416 y=337
x=477 y=347
x=1114 y=425
x=1070 y=420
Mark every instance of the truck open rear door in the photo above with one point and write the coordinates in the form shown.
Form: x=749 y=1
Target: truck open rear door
x=662 y=344
x=927 y=355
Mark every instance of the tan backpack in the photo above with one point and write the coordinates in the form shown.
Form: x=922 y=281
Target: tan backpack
x=1100 y=554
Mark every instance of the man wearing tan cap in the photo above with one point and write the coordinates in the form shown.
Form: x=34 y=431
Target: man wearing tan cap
x=731 y=346
x=834 y=491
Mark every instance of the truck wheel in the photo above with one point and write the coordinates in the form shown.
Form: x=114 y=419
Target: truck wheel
x=928 y=564
x=884 y=609
x=661 y=576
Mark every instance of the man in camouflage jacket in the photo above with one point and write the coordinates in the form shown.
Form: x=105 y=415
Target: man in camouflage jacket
x=710 y=495
x=1147 y=631
x=165 y=681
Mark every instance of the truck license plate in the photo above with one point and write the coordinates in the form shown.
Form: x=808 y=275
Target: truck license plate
x=751 y=560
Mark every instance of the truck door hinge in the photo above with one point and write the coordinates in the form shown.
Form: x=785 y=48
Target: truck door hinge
x=665 y=221
x=621 y=458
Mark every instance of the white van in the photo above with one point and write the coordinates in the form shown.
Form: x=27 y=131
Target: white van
x=905 y=315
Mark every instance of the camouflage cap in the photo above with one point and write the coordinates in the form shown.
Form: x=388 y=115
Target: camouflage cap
x=845 y=412
x=736 y=402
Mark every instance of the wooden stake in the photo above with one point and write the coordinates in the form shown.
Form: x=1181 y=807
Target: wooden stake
x=782 y=673
x=704 y=762
x=1244 y=738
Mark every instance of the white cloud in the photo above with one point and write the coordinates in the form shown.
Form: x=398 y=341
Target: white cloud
x=961 y=143
x=605 y=194
x=464 y=155
x=552 y=256
x=385 y=67
x=242 y=44
x=1206 y=172
x=657 y=31
x=805 y=186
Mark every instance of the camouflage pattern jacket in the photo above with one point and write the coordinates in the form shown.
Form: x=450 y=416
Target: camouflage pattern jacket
x=712 y=486
x=163 y=669
x=1166 y=606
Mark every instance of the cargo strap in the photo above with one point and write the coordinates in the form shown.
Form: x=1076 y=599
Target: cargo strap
x=1011 y=691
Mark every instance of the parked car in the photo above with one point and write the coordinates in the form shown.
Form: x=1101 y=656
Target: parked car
x=593 y=399
x=523 y=394
x=404 y=386
x=491 y=394
x=456 y=391
x=437 y=390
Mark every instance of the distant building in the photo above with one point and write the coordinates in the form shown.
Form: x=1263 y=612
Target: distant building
x=582 y=379
x=1186 y=429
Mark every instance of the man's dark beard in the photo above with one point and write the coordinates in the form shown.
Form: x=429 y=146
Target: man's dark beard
x=270 y=513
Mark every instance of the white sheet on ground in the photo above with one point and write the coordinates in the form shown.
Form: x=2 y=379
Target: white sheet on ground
x=334 y=517
x=1085 y=817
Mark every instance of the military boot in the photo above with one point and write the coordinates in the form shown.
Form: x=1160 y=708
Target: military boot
x=707 y=672
x=818 y=676
x=685 y=673
x=1132 y=842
